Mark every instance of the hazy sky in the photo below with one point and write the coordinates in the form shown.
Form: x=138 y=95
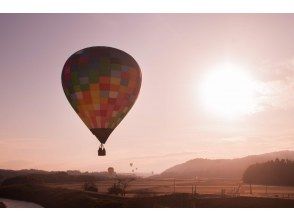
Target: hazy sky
x=168 y=124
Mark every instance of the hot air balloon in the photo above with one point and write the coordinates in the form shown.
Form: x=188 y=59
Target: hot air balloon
x=110 y=170
x=101 y=84
x=131 y=164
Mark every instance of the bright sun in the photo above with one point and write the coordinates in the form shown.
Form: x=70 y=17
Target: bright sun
x=228 y=91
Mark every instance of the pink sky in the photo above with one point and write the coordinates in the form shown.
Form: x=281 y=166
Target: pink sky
x=167 y=124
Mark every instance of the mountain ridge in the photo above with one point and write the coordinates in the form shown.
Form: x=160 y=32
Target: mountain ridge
x=222 y=168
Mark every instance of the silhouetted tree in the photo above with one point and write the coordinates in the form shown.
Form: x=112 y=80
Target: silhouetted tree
x=90 y=186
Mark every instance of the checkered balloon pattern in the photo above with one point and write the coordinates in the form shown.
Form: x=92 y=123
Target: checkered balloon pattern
x=102 y=85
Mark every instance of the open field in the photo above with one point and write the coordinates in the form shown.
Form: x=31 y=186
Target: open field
x=58 y=197
x=153 y=192
x=231 y=187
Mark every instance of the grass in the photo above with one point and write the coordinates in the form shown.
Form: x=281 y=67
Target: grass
x=56 y=197
x=70 y=198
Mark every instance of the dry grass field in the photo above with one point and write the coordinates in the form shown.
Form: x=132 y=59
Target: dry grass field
x=151 y=186
x=147 y=192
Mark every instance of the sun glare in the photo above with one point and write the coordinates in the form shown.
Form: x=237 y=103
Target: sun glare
x=228 y=91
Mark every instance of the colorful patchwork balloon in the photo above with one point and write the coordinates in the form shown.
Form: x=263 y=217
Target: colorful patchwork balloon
x=101 y=84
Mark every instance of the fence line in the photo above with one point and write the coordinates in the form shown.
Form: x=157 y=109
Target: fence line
x=194 y=186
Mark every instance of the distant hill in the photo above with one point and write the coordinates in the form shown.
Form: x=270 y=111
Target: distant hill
x=18 y=176
x=221 y=168
x=4 y=174
x=50 y=177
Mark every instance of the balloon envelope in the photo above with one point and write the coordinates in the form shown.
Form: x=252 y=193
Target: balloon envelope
x=101 y=84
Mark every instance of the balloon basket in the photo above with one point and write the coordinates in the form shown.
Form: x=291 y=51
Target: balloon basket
x=101 y=151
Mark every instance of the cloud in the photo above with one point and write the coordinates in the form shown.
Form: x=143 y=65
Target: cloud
x=17 y=140
x=233 y=139
x=16 y=164
x=23 y=143
x=275 y=90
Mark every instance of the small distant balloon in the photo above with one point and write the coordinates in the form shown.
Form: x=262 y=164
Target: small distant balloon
x=110 y=170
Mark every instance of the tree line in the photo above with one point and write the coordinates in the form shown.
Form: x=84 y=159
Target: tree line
x=276 y=173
